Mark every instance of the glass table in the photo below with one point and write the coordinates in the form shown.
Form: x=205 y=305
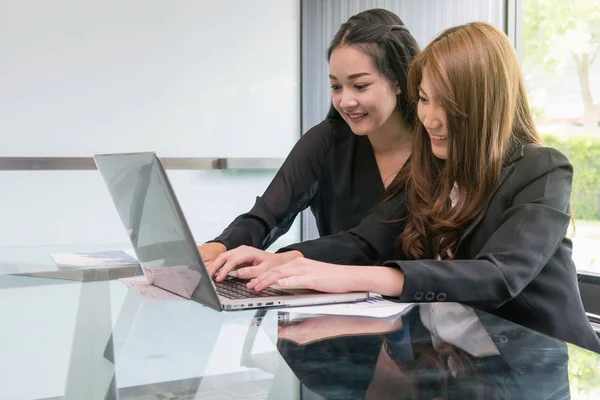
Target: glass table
x=83 y=334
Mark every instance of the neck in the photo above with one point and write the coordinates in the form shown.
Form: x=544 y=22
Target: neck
x=393 y=136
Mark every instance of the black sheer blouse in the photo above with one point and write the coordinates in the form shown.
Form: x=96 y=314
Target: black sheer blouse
x=331 y=170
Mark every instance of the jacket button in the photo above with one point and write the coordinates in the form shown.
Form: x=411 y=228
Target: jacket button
x=430 y=296
x=441 y=296
x=418 y=296
x=503 y=339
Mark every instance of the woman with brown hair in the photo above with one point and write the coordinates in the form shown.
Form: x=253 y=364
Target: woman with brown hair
x=483 y=215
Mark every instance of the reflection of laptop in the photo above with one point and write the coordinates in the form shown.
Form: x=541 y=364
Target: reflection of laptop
x=201 y=332
x=164 y=245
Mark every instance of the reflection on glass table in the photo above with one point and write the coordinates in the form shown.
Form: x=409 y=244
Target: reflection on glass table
x=87 y=336
x=435 y=351
x=83 y=334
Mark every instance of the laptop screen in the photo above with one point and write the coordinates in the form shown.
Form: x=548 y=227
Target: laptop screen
x=156 y=226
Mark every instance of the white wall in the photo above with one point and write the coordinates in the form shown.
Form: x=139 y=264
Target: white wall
x=186 y=78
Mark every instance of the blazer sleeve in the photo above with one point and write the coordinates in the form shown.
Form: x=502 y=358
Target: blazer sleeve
x=291 y=191
x=532 y=228
x=370 y=243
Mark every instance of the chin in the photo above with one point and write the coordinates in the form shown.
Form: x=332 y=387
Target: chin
x=359 y=131
x=442 y=154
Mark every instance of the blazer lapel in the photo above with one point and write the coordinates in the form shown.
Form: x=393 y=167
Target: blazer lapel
x=507 y=168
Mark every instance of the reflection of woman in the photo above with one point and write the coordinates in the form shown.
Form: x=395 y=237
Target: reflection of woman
x=340 y=167
x=481 y=218
x=447 y=372
x=333 y=365
x=467 y=354
x=413 y=360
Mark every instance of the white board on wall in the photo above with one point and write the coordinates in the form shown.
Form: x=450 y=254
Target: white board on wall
x=186 y=78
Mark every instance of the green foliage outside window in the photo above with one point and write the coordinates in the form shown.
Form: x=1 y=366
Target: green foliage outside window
x=584 y=153
x=558 y=30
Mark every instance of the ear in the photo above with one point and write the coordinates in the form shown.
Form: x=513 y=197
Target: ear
x=398 y=90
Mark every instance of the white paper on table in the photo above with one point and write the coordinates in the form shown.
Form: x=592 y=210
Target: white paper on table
x=372 y=307
x=96 y=258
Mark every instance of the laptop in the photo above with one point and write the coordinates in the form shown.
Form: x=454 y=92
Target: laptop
x=166 y=249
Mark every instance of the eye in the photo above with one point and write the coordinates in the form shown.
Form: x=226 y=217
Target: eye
x=335 y=87
x=361 y=87
x=423 y=100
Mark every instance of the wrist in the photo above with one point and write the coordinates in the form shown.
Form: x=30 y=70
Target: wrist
x=221 y=247
x=356 y=278
x=383 y=280
x=291 y=255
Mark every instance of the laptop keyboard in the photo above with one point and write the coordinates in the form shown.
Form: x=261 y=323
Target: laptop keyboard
x=233 y=289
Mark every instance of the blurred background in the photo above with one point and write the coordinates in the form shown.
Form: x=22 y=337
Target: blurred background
x=222 y=90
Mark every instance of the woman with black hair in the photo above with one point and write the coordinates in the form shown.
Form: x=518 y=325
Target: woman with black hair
x=341 y=167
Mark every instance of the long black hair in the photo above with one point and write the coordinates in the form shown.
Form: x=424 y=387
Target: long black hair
x=382 y=35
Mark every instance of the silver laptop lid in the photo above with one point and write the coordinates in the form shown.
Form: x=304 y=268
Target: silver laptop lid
x=158 y=231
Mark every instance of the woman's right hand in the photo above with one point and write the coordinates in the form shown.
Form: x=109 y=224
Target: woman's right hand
x=210 y=251
x=319 y=328
x=251 y=262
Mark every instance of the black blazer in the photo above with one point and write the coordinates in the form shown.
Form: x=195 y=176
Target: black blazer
x=513 y=260
x=331 y=170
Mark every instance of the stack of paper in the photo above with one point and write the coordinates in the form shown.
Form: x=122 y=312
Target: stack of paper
x=107 y=258
x=373 y=307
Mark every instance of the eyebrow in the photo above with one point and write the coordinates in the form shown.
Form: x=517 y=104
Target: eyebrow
x=353 y=76
x=420 y=89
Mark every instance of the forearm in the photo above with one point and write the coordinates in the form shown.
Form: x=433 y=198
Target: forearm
x=244 y=230
x=386 y=281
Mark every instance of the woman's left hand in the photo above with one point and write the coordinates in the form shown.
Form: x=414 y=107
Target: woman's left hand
x=309 y=274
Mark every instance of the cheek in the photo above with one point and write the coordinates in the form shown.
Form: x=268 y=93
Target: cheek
x=420 y=112
x=335 y=99
x=384 y=102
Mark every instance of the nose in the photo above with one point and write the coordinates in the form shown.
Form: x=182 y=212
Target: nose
x=430 y=121
x=347 y=100
x=432 y=124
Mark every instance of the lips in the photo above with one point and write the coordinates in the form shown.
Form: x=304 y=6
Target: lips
x=356 y=116
x=436 y=137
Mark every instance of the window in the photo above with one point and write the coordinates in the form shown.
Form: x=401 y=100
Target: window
x=559 y=45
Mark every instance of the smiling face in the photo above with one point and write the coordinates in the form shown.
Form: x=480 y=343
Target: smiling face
x=359 y=92
x=433 y=117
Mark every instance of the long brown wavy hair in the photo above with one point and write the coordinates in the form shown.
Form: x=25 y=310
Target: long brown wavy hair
x=475 y=76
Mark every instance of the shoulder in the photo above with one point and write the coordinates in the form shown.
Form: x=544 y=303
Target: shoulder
x=317 y=138
x=328 y=132
x=537 y=160
x=544 y=156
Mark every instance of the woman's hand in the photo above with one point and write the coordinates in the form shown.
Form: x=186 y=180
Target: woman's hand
x=319 y=328
x=307 y=273
x=249 y=262
x=210 y=251
x=331 y=278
